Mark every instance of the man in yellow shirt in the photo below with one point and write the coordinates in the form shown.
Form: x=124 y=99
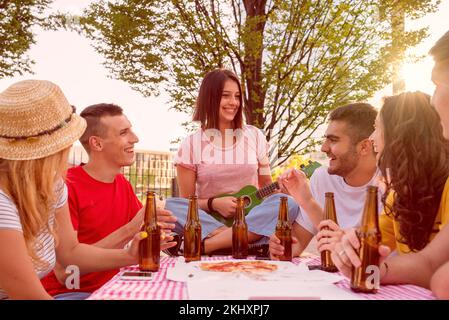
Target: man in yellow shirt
x=429 y=267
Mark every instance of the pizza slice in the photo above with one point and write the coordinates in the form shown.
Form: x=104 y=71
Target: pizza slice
x=239 y=266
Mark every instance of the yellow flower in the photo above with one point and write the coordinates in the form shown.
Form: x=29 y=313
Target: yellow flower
x=294 y=161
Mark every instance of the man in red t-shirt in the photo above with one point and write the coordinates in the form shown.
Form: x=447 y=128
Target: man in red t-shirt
x=105 y=211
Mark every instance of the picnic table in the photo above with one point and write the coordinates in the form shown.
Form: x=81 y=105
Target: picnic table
x=160 y=288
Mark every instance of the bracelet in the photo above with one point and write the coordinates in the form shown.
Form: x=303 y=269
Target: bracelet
x=209 y=204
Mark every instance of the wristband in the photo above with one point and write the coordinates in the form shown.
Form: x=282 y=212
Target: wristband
x=209 y=204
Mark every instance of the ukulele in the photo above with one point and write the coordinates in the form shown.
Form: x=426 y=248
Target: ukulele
x=253 y=197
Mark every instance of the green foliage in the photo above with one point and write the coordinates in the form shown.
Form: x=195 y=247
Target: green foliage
x=17 y=18
x=296 y=59
x=414 y=9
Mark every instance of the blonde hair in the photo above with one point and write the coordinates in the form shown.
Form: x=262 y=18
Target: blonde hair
x=33 y=187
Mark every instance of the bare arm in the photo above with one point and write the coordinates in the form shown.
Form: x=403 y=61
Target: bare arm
x=418 y=268
x=120 y=237
x=17 y=275
x=88 y=258
x=303 y=237
x=187 y=184
x=412 y=268
x=264 y=172
x=313 y=211
x=440 y=282
x=115 y=240
x=296 y=183
x=264 y=180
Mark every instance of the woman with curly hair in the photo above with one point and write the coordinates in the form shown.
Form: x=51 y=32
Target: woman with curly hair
x=429 y=267
x=413 y=156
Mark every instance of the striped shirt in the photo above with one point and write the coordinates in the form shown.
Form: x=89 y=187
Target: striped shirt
x=9 y=219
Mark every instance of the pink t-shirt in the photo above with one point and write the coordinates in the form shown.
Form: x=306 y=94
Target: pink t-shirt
x=224 y=169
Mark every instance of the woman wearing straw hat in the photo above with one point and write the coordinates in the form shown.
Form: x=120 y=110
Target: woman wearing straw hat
x=37 y=128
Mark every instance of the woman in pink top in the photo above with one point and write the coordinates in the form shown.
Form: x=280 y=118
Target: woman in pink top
x=223 y=156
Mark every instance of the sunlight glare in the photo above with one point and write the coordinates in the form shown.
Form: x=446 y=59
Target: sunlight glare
x=417 y=75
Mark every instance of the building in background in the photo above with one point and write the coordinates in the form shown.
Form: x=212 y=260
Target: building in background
x=152 y=171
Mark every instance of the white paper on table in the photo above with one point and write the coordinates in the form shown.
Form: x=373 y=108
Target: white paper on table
x=186 y=271
x=264 y=290
x=183 y=271
x=286 y=271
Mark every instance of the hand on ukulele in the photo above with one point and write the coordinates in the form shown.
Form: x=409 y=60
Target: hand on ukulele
x=225 y=206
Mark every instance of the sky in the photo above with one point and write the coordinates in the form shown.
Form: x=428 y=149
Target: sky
x=68 y=60
x=417 y=75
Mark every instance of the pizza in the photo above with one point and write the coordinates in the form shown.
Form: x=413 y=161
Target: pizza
x=239 y=266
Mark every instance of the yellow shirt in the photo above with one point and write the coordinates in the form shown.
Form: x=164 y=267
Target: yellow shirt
x=389 y=228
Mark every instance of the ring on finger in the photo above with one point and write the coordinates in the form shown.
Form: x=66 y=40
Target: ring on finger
x=342 y=253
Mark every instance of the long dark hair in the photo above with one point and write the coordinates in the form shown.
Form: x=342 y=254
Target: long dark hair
x=415 y=161
x=209 y=97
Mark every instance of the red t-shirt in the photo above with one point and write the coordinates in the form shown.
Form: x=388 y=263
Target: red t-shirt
x=97 y=209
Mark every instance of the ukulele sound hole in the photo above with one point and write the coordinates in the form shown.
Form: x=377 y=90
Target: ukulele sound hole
x=246 y=201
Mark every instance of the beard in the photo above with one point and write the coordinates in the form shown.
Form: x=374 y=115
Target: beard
x=345 y=163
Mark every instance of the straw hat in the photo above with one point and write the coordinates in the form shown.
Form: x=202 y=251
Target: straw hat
x=36 y=121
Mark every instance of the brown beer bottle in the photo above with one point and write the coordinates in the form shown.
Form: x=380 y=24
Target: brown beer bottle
x=150 y=247
x=362 y=278
x=284 y=230
x=192 y=232
x=239 y=233
x=329 y=214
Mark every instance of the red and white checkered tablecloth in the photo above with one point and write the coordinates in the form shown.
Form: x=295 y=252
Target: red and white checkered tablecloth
x=159 y=288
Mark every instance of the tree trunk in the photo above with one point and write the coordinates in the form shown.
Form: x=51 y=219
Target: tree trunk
x=398 y=31
x=252 y=62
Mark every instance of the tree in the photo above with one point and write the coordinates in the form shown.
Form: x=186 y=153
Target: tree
x=17 y=18
x=396 y=12
x=297 y=59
